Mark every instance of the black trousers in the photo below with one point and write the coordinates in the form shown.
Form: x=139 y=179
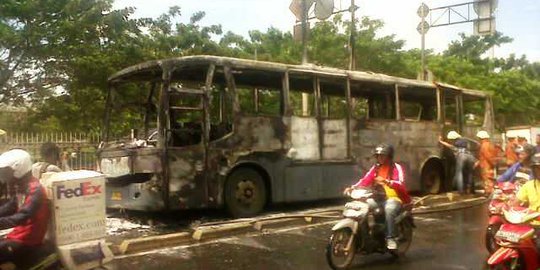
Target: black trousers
x=12 y=251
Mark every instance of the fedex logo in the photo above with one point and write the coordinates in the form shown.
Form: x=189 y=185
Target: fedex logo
x=84 y=189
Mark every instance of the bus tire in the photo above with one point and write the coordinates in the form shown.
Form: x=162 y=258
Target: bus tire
x=432 y=177
x=245 y=193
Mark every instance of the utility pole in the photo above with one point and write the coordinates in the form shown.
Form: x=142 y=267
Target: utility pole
x=352 y=39
x=304 y=32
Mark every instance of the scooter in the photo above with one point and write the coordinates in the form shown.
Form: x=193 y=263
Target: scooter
x=362 y=230
x=503 y=195
x=516 y=240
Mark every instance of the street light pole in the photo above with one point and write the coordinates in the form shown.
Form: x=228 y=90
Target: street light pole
x=422 y=28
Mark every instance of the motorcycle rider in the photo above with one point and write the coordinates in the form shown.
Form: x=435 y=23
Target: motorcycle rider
x=27 y=212
x=388 y=175
x=529 y=194
x=523 y=166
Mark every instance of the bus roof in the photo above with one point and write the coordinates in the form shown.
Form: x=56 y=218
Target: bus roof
x=155 y=66
x=469 y=92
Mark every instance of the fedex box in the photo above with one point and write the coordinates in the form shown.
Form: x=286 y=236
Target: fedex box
x=78 y=204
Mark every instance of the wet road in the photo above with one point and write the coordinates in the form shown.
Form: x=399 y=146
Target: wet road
x=449 y=240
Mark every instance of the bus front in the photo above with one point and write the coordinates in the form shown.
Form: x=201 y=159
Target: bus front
x=130 y=152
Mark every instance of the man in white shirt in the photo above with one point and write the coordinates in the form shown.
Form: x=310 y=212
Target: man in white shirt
x=50 y=153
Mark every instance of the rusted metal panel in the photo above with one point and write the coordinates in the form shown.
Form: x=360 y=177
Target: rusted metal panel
x=303 y=182
x=149 y=163
x=145 y=196
x=187 y=185
x=335 y=139
x=115 y=166
x=257 y=133
x=304 y=139
x=338 y=176
x=413 y=141
x=116 y=163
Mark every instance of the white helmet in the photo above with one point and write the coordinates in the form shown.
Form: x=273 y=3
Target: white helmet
x=453 y=135
x=18 y=160
x=482 y=134
x=511 y=134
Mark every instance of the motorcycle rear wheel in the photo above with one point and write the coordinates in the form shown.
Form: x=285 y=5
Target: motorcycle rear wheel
x=405 y=238
x=336 y=257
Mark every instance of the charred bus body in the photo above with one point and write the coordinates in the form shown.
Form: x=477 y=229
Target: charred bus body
x=207 y=132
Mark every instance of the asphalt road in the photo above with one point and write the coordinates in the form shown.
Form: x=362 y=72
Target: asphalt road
x=448 y=240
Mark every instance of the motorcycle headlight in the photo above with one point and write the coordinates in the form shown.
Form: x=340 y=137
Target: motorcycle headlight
x=355 y=205
x=353 y=213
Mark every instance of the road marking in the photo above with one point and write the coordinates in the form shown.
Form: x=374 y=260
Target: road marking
x=427 y=220
x=235 y=239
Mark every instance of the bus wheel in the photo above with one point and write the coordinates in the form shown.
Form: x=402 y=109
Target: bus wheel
x=245 y=193
x=432 y=180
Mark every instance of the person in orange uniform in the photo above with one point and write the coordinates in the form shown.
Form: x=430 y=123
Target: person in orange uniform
x=510 y=150
x=487 y=157
x=522 y=140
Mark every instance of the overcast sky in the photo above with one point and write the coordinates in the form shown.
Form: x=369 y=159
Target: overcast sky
x=519 y=19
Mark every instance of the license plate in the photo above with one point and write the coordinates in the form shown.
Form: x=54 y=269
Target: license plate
x=508 y=236
x=116 y=196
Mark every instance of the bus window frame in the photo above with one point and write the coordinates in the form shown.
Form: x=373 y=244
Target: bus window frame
x=400 y=91
x=167 y=79
x=289 y=108
x=225 y=114
x=345 y=95
x=320 y=118
x=238 y=110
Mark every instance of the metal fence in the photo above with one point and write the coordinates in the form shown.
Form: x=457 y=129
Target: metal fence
x=78 y=149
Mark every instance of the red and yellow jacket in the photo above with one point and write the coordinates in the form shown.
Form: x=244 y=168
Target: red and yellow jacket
x=396 y=181
x=29 y=220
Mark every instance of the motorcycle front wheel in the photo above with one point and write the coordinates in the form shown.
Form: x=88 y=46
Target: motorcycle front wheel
x=491 y=244
x=514 y=264
x=337 y=257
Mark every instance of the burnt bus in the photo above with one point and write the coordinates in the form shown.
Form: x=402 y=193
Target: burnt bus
x=207 y=132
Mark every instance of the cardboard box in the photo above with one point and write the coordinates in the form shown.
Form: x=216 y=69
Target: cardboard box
x=78 y=204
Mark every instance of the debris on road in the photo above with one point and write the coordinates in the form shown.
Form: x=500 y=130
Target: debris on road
x=118 y=226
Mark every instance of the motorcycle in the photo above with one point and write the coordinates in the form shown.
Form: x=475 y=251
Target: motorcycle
x=516 y=240
x=41 y=258
x=503 y=194
x=363 y=231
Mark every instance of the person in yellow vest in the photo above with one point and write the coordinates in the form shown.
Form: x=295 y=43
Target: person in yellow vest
x=529 y=193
